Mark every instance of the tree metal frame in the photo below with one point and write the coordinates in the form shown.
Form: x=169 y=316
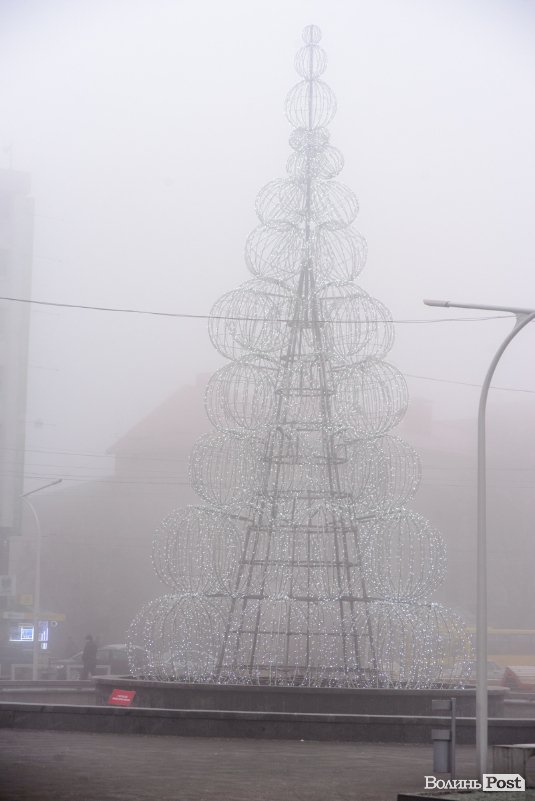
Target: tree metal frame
x=304 y=566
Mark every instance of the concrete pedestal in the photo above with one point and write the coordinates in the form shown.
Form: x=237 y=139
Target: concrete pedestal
x=312 y=700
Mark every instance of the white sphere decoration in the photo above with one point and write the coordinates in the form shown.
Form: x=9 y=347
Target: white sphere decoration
x=310 y=104
x=177 y=638
x=225 y=469
x=251 y=319
x=197 y=550
x=311 y=35
x=275 y=252
x=371 y=397
x=404 y=558
x=241 y=395
x=326 y=163
x=357 y=326
x=339 y=255
x=310 y=62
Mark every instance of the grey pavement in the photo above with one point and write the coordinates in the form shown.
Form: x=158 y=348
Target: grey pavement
x=74 y=766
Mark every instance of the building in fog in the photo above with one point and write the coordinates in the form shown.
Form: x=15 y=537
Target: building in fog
x=97 y=535
x=16 y=246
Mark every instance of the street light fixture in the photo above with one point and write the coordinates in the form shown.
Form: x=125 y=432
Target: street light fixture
x=523 y=317
x=37 y=581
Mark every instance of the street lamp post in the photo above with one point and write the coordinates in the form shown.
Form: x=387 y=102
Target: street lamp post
x=523 y=317
x=37 y=581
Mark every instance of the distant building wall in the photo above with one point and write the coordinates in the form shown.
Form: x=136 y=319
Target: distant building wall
x=96 y=563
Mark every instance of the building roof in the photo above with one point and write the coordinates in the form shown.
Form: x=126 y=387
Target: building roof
x=170 y=429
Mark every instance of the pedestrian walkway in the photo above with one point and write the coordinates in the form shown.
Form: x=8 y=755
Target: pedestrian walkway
x=73 y=766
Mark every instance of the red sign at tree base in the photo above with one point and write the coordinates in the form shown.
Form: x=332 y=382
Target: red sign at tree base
x=121 y=697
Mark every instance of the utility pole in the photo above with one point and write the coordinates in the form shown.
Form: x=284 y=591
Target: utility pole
x=37 y=579
x=523 y=317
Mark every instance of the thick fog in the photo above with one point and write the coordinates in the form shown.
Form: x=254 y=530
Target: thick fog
x=147 y=129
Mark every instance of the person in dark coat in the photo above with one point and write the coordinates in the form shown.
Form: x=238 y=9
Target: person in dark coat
x=89 y=657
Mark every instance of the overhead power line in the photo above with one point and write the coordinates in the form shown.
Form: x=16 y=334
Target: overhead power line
x=103 y=480
x=135 y=457
x=112 y=481
x=467 y=383
x=238 y=319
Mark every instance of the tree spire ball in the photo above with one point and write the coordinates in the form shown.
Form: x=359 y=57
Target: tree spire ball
x=311 y=34
x=303 y=565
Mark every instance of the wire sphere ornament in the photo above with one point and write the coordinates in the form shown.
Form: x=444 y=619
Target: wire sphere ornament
x=177 y=638
x=311 y=34
x=421 y=645
x=385 y=472
x=225 y=469
x=282 y=203
x=406 y=646
x=197 y=550
x=338 y=255
x=310 y=62
x=305 y=567
x=404 y=558
x=241 y=396
x=356 y=326
x=371 y=397
x=310 y=104
x=308 y=141
x=275 y=252
x=333 y=205
x=251 y=319
x=287 y=202
x=326 y=163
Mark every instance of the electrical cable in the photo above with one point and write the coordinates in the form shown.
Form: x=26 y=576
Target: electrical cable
x=237 y=319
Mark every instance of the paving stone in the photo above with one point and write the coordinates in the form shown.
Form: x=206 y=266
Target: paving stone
x=74 y=766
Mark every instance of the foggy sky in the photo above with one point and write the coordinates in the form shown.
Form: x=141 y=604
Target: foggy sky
x=148 y=127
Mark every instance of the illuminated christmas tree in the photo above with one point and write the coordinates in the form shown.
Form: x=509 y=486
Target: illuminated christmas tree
x=304 y=566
